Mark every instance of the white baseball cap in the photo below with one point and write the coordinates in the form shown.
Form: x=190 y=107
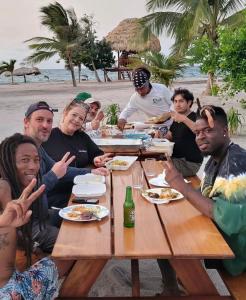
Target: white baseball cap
x=93 y=100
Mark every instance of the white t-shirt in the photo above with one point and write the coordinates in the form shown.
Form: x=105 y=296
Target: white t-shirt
x=155 y=103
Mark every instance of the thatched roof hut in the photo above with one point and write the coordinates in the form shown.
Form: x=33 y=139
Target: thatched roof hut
x=127 y=36
x=23 y=71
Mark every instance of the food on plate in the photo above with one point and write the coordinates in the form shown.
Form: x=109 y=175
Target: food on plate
x=118 y=162
x=166 y=193
x=73 y=215
x=153 y=195
x=159 y=119
x=83 y=213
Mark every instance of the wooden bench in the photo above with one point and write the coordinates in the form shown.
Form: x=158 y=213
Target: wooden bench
x=236 y=285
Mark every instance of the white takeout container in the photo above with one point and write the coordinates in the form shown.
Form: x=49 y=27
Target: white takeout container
x=89 y=178
x=129 y=159
x=89 y=190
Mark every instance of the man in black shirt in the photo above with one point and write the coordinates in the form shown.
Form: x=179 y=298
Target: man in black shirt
x=186 y=156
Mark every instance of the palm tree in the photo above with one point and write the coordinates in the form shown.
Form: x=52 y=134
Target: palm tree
x=164 y=69
x=8 y=67
x=188 y=19
x=65 y=29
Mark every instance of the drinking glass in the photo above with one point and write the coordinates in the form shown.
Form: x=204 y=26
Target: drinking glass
x=137 y=179
x=150 y=166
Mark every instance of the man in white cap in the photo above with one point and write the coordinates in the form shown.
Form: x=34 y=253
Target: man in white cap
x=153 y=99
x=94 y=116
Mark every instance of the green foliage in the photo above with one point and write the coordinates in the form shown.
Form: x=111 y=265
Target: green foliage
x=65 y=29
x=233 y=57
x=234 y=120
x=8 y=67
x=215 y=90
x=205 y=53
x=112 y=112
x=243 y=103
x=164 y=69
x=186 y=20
x=102 y=56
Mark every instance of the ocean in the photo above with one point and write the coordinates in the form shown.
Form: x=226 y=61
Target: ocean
x=54 y=75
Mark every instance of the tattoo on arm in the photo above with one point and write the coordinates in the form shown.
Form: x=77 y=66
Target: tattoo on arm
x=4 y=242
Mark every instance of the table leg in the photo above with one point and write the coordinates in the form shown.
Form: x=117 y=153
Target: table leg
x=194 y=277
x=135 y=278
x=81 y=278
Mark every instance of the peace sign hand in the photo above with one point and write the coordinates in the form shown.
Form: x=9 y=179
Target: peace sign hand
x=60 y=167
x=16 y=212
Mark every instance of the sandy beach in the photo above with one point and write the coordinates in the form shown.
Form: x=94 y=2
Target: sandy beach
x=14 y=100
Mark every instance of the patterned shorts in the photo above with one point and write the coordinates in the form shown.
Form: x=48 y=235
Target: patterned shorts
x=39 y=282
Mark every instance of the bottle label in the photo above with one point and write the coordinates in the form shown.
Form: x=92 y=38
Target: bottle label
x=129 y=217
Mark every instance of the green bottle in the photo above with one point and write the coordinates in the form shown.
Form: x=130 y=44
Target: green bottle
x=129 y=209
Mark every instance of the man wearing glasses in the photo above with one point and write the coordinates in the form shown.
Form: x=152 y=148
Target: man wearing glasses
x=153 y=99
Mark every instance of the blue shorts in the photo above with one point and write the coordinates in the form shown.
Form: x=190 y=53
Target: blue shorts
x=39 y=282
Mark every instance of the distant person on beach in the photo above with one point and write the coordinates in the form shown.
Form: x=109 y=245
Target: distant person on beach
x=94 y=116
x=186 y=156
x=153 y=99
x=70 y=137
x=20 y=180
x=38 y=125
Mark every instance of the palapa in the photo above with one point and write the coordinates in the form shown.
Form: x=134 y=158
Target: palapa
x=23 y=71
x=128 y=36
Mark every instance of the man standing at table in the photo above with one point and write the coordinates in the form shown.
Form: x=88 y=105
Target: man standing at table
x=223 y=188
x=153 y=99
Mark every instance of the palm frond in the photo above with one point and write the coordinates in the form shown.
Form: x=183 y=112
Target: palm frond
x=231 y=6
x=40 y=56
x=165 y=4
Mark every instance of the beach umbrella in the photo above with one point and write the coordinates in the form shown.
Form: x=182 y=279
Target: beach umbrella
x=23 y=71
x=127 y=37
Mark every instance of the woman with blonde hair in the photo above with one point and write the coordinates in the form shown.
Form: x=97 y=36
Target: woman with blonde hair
x=70 y=137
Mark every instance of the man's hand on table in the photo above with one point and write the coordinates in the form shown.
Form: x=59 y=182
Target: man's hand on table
x=100 y=161
x=60 y=167
x=100 y=171
x=121 y=124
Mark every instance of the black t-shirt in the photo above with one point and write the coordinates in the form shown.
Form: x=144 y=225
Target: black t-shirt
x=185 y=145
x=79 y=144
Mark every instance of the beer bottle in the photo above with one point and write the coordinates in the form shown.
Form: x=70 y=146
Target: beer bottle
x=129 y=209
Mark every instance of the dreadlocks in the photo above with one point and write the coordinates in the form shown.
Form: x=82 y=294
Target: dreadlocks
x=8 y=172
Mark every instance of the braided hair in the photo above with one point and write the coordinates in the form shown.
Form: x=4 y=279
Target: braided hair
x=8 y=172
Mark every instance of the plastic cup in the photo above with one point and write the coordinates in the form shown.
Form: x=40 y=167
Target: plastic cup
x=150 y=166
x=137 y=179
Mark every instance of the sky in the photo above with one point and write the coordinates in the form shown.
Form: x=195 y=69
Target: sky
x=20 y=20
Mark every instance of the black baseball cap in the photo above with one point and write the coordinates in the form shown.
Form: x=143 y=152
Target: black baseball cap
x=37 y=106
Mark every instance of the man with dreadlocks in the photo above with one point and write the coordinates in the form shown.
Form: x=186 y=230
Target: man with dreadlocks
x=153 y=99
x=223 y=188
x=19 y=171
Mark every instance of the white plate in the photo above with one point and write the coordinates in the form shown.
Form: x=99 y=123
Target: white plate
x=101 y=213
x=129 y=159
x=89 y=190
x=160 y=181
x=89 y=178
x=161 y=201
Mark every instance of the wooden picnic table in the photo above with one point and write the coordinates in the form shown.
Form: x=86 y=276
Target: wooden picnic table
x=174 y=231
